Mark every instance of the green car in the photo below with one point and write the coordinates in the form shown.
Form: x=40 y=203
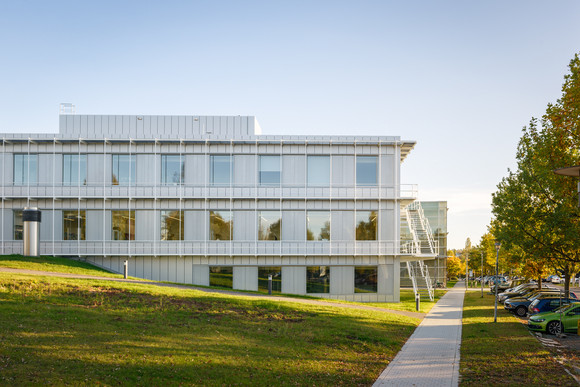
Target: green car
x=550 y=321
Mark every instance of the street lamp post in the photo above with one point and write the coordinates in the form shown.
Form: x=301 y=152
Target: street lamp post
x=497 y=246
x=571 y=171
x=481 y=278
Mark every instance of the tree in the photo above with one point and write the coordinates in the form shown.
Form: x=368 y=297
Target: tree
x=536 y=213
x=454 y=266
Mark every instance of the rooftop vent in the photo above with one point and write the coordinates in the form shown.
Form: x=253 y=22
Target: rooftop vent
x=67 y=108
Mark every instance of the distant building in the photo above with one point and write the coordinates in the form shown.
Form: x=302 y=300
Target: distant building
x=435 y=213
x=208 y=200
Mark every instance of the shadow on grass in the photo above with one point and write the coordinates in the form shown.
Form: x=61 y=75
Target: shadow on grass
x=60 y=331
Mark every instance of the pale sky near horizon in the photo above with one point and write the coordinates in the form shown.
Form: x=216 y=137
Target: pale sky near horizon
x=459 y=77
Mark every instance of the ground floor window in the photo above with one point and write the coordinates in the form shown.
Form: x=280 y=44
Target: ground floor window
x=264 y=272
x=221 y=276
x=317 y=279
x=73 y=225
x=365 y=279
x=18 y=225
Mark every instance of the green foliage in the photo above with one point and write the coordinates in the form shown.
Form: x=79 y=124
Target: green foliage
x=536 y=211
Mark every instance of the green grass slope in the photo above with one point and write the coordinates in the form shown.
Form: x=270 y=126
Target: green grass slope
x=71 y=331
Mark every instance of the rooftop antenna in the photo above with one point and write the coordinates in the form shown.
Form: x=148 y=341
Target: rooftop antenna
x=67 y=108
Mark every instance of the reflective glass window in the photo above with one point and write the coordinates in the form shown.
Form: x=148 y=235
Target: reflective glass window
x=123 y=170
x=73 y=225
x=319 y=171
x=318 y=279
x=264 y=272
x=220 y=169
x=269 y=170
x=171 y=225
x=269 y=225
x=74 y=169
x=366 y=170
x=366 y=226
x=18 y=225
x=318 y=226
x=365 y=279
x=123 y=225
x=220 y=225
x=172 y=169
x=222 y=276
x=25 y=169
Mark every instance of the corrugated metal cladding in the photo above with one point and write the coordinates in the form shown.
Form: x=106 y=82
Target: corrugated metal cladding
x=160 y=127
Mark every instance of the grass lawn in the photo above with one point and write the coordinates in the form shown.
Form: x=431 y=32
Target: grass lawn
x=71 y=331
x=451 y=284
x=53 y=264
x=407 y=303
x=504 y=353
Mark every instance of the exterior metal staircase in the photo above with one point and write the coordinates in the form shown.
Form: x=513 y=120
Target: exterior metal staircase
x=424 y=244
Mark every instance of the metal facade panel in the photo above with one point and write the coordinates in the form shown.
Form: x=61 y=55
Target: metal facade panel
x=96 y=169
x=245 y=225
x=342 y=280
x=195 y=169
x=294 y=279
x=200 y=274
x=94 y=225
x=145 y=225
x=293 y=170
x=195 y=227
x=293 y=226
x=245 y=170
x=343 y=171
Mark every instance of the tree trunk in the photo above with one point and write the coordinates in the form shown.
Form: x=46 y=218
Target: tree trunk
x=540 y=283
x=566 y=283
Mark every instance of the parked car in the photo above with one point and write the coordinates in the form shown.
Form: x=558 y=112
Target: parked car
x=550 y=321
x=519 y=305
x=548 y=304
x=555 y=279
x=517 y=292
x=528 y=293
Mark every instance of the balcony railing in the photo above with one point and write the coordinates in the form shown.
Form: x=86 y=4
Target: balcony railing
x=218 y=248
x=202 y=191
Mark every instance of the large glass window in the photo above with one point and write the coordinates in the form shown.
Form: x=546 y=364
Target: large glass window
x=123 y=225
x=319 y=171
x=220 y=169
x=18 y=225
x=366 y=226
x=123 y=170
x=172 y=169
x=25 y=169
x=221 y=276
x=318 y=279
x=270 y=225
x=365 y=279
x=220 y=225
x=74 y=169
x=269 y=170
x=366 y=170
x=318 y=226
x=264 y=272
x=171 y=225
x=73 y=225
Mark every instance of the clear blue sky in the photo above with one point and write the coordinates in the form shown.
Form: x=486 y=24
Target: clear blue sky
x=459 y=77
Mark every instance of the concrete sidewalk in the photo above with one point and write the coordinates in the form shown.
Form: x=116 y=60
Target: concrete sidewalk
x=431 y=355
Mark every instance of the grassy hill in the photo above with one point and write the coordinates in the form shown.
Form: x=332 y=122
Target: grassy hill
x=71 y=331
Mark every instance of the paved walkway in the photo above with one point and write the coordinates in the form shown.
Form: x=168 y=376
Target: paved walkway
x=431 y=355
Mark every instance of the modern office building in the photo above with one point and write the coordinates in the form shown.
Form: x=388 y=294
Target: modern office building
x=209 y=200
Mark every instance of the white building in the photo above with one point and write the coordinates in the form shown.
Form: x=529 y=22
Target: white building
x=210 y=201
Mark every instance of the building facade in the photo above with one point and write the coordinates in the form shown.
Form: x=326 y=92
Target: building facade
x=209 y=200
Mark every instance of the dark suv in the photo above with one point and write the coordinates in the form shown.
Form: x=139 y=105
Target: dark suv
x=548 y=304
